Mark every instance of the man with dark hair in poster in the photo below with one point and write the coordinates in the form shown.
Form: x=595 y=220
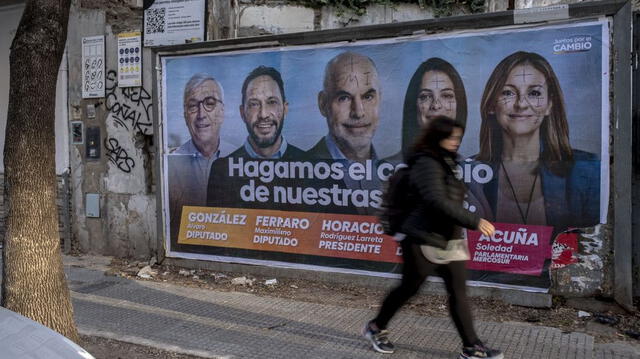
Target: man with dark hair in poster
x=263 y=110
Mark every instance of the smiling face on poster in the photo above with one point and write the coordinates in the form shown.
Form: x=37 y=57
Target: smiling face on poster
x=310 y=135
x=436 y=98
x=523 y=102
x=263 y=111
x=349 y=101
x=435 y=89
x=204 y=113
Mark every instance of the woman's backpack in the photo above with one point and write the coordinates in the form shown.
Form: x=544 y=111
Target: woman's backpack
x=397 y=201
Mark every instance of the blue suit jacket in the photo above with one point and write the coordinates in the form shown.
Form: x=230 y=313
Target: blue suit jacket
x=569 y=201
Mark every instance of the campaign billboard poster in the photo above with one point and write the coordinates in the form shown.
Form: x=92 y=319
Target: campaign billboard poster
x=279 y=156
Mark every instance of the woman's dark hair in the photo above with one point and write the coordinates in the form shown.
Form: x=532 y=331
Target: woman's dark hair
x=410 y=126
x=263 y=71
x=428 y=141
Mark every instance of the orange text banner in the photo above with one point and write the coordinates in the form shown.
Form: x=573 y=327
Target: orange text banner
x=320 y=234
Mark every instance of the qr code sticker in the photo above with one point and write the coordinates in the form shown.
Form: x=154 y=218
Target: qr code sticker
x=155 y=20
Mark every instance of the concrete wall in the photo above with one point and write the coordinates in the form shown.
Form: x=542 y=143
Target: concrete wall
x=122 y=175
x=280 y=19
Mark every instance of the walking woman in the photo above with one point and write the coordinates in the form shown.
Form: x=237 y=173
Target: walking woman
x=437 y=218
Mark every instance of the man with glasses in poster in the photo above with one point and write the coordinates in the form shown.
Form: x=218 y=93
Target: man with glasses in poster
x=189 y=164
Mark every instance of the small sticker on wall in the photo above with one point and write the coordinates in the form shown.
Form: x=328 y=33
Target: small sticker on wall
x=91 y=111
x=174 y=22
x=129 y=59
x=77 y=133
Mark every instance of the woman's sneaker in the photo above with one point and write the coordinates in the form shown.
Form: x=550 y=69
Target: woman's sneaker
x=480 y=351
x=379 y=339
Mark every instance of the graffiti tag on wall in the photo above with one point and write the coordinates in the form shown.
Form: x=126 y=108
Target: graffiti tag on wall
x=130 y=107
x=118 y=155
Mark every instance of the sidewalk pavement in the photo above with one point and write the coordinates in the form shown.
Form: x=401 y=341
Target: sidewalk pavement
x=215 y=324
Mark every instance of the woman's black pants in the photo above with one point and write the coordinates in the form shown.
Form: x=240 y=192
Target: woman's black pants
x=415 y=270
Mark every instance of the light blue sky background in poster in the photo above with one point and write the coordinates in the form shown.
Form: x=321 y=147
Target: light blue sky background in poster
x=474 y=56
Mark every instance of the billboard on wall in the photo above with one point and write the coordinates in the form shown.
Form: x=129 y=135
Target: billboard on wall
x=279 y=156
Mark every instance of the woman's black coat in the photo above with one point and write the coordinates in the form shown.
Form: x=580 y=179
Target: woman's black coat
x=438 y=197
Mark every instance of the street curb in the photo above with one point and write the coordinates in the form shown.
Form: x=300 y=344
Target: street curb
x=149 y=343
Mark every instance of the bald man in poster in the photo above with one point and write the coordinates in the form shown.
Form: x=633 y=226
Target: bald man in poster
x=350 y=101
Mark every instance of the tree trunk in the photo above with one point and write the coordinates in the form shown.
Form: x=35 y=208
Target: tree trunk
x=34 y=283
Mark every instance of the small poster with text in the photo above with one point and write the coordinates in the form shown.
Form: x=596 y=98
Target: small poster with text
x=171 y=22
x=129 y=59
x=93 y=66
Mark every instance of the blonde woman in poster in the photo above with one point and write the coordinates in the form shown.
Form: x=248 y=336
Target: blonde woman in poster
x=538 y=178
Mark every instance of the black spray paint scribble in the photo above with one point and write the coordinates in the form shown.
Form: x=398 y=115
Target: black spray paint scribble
x=129 y=106
x=118 y=155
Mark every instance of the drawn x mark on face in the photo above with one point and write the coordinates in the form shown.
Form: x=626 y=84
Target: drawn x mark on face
x=523 y=75
x=506 y=99
x=437 y=81
x=450 y=105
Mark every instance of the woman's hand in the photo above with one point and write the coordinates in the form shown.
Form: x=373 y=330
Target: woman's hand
x=486 y=227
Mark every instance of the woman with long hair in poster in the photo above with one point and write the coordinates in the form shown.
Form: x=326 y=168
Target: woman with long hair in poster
x=538 y=178
x=435 y=89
